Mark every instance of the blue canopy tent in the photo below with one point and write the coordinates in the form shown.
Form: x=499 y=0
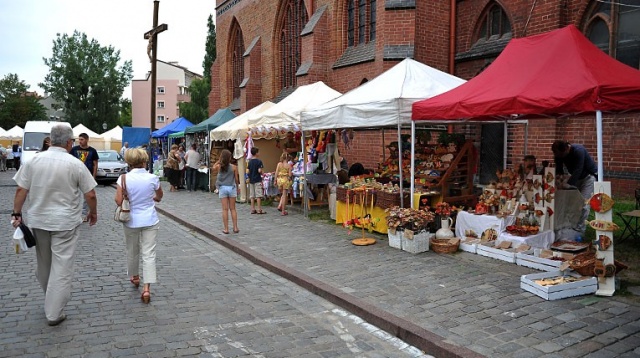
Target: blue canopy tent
x=219 y=118
x=177 y=125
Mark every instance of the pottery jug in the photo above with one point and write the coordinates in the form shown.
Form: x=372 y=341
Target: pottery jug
x=444 y=232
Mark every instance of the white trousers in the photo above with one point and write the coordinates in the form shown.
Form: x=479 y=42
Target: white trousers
x=55 y=253
x=141 y=242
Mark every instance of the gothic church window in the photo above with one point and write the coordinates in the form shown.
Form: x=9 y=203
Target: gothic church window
x=295 y=18
x=361 y=22
x=494 y=23
x=237 y=60
x=613 y=27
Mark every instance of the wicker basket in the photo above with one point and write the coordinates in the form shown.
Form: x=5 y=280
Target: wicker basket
x=444 y=246
x=584 y=263
x=388 y=200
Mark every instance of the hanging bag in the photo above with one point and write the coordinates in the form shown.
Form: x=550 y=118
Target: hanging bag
x=123 y=213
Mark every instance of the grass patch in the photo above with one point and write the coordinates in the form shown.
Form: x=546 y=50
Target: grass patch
x=320 y=215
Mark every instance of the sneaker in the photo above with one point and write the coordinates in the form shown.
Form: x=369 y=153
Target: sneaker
x=56 y=322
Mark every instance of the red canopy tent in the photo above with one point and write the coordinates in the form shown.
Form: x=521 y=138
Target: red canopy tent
x=555 y=73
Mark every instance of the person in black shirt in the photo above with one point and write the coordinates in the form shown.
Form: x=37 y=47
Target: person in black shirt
x=89 y=156
x=582 y=170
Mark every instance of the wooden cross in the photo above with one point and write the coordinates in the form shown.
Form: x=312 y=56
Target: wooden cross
x=152 y=48
x=151 y=36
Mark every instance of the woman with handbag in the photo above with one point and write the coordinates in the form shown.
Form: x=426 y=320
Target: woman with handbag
x=173 y=168
x=141 y=189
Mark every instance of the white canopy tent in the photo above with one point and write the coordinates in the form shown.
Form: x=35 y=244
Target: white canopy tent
x=15 y=133
x=385 y=101
x=80 y=128
x=2 y=133
x=114 y=134
x=285 y=115
x=382 y=102
x=238 y=127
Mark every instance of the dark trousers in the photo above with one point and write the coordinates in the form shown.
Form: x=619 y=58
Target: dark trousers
x=192 y=178
x=16 y=163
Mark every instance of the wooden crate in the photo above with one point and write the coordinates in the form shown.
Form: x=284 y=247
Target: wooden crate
x=585 y=286
x=470 y=246
x=488 y=249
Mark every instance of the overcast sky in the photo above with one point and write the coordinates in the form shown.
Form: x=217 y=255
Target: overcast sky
x=28 y=28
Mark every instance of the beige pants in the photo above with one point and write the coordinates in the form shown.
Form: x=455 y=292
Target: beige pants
x=141 y=241
x=55 y=253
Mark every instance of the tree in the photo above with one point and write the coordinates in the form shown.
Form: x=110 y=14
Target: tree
x=210 y=50
x=197 y=110
x=17 y=105
x=126 y=118
x=86 y=78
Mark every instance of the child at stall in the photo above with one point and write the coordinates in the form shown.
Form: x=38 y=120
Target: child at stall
x=256 y=190
x=283 y=181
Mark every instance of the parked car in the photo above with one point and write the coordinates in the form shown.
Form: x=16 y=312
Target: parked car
x=110 y=165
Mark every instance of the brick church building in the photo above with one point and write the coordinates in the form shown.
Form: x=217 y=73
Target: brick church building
x=267 y=48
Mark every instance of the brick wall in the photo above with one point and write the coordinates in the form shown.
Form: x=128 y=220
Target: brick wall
x=427 y=28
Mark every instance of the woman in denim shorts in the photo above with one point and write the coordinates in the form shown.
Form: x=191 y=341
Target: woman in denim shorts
x=227 y=184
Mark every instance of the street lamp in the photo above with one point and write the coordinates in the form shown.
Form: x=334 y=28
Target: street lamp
x=104 y=125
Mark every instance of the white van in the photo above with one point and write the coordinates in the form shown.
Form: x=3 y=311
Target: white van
x=34 y=134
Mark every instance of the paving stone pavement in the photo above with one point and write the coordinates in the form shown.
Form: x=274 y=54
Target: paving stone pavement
x=464 y=304
x=209 y=302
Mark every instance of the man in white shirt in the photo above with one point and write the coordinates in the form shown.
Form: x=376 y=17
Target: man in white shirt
x=124 y=148
x=55 y=183
x=193 y=159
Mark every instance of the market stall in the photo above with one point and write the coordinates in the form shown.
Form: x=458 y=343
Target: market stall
x=237 y=129
x=162 y=134
x=385 y=102
x=199 y=135
x=530 y=78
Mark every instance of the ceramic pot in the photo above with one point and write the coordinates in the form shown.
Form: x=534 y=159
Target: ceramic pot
x=444 y=232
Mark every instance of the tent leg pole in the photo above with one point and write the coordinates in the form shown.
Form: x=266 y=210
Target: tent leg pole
x=599 y=141
x=504 y=145
x=400 y=163
x=526 y=137
x=304 y=173
x=413 y=150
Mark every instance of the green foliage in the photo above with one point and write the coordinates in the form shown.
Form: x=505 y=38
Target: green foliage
x=126 y=118
x=87 y=79
x=210 y=50
x=16 y=106
x=197 y=110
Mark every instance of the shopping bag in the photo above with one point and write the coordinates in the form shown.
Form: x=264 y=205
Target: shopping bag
x=18 y=242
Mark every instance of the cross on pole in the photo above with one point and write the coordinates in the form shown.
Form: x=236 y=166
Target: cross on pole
x=152 y=47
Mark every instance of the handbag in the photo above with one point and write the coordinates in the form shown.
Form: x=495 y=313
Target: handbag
x=123 y=211
x=29 y=239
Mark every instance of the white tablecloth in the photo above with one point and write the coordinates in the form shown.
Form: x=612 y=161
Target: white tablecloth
x=542 y=240
x=480 y=223
x=569 y=204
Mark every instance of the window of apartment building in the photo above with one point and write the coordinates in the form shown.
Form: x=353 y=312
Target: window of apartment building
x=160 y=118
x=613 y=27
x=361 y=18
x=494 y=22
x=160 y=104
x=160 y=89
x=295 y=17
x=237 y=59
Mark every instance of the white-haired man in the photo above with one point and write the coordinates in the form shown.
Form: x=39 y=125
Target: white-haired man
x=55 y=183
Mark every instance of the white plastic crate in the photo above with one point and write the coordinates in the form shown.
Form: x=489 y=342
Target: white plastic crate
x=395 y=238
x=530 y=259
x=585 y=286
x=419 y=243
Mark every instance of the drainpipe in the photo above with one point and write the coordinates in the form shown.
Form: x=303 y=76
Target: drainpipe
x=452 y=44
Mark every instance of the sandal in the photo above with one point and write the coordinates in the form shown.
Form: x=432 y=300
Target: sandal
x=253 y=212
x=261 y=212
x=235 y=231
x=225 y=232
x=284 y=212
x=146 y=296
x=135 y=280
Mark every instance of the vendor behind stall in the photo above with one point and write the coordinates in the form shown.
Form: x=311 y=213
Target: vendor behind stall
x=290 y=145
x=582 y=170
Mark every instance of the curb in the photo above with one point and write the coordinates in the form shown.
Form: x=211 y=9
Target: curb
x=407 y=331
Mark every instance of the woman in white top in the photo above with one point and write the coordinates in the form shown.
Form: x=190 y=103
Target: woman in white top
x=143 y=189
